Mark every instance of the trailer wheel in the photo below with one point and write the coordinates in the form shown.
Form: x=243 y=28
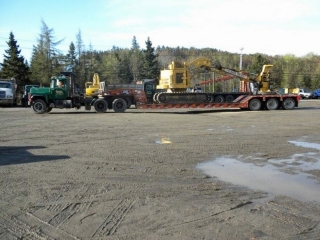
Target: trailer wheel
x=272 y=104
x=219 y=98
x=255 y=104
x=229 y=98
x=119 y=105
x=288 y=104
x=100 y=106
x=39 y=106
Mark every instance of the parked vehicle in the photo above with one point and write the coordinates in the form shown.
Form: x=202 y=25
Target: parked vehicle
x=315 y=94
x=8 y=88
x=304 y=93
x=25 y=94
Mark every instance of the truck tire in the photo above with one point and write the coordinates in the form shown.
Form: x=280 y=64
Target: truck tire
x=288 y=104
x=255 y=104
x=100 y=106
x=129 y=103
x=39 y=106
x=229 y=98
x=48 y=109
x=119 y=105
x=272 y=104
x=219 y=99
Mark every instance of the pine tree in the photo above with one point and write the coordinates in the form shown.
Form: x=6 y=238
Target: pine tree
x=257 y=63
x=71 y=57
x=150 y=66
x=14 y=65
x=135 y=59
x=45 y=56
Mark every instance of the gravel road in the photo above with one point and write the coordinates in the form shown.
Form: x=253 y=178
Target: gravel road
x=160 y=174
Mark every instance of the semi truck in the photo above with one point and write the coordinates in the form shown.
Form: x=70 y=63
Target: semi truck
x=165 y=95
x=8 y=95
x=62 y=93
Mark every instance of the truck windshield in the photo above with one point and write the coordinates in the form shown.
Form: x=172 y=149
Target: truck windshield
x=5 y=85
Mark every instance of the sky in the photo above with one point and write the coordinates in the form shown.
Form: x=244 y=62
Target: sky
x=273 y=27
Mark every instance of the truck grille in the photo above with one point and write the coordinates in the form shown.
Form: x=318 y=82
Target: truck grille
x=2 y=94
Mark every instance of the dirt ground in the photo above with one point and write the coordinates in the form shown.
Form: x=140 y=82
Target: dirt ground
x=135 y=175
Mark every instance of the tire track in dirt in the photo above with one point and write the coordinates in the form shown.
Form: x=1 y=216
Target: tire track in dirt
x=13 y=228
x=111 y=223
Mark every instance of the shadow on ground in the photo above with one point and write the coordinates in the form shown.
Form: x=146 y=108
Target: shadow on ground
x=19 y=155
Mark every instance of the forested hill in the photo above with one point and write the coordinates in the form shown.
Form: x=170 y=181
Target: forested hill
x=127 y=65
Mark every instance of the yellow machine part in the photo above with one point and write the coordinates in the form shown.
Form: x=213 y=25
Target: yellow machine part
x=176 y=78
x=289 y=90
x=92 y=88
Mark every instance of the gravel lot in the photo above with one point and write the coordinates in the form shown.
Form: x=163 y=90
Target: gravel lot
x=160 y=174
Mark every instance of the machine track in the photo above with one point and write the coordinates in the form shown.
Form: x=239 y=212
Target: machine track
x=181 y=97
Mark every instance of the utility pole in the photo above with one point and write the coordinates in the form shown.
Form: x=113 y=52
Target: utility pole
x=240 y=67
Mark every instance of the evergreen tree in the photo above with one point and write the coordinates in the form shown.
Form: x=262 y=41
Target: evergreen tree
x=81 y=61
x=125 y=74
x=257 y=64
x=71 y=58
x=14 y=65
x=45 y=56
x=135 y=59
x=150 y=66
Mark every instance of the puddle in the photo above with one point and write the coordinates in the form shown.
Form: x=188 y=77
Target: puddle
x=266 y=178
x=163 y=141
x=306 y=144
x=276 y=177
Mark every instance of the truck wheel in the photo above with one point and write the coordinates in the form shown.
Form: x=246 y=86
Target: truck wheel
x=100 y=106
x=119 y=105
x=219 y=99
x=39 y=106
x=48 y=109
x=229 y=98
x=272 y=104
x=255 y=104
x=288 y=104
x=129 y=103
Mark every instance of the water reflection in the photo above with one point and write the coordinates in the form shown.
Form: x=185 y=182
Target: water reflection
x=163 y=141
x=280 y=177
x=264 y=178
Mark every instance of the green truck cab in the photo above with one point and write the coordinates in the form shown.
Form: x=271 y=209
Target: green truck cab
x=61 y=94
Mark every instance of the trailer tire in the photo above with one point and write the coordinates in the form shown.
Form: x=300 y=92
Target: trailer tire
x=288 y=104
x=255 y=104
x=39 y=106
x=229 y=98
x=100 y=106
x=219 y=99
x=119 y=105
x=272 y=104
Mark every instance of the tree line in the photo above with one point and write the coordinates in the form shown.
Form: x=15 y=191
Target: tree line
x=127 y=65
